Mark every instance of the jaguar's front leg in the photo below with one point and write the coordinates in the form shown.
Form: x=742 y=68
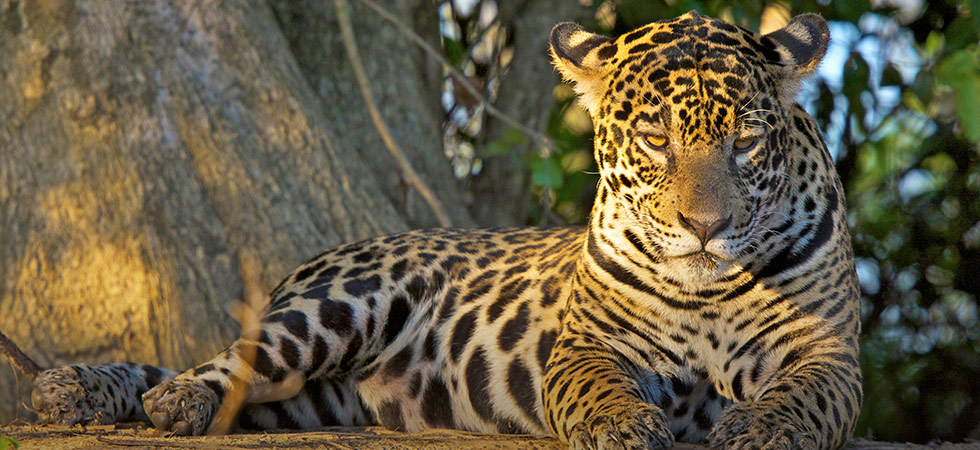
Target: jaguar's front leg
x=297 y=340
x=812 y=404
x=593 y=401
x=189 y=404
x=94 y=395
x=208 y=398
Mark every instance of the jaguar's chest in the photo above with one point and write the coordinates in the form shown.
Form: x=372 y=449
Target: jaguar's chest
x=690 y=399
x=714 y=368
x=735 y=349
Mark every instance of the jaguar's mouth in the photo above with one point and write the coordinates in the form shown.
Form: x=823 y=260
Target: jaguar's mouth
x=704 y=262
x=704 y=256
x=702 y=259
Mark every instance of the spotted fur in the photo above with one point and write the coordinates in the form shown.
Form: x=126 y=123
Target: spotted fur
x=712 y=296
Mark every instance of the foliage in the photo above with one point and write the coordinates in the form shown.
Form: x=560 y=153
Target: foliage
x=909 y=157
x=898 y=99
x=8 y=443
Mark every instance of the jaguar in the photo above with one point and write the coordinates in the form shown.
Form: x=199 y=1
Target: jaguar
x=711 y=297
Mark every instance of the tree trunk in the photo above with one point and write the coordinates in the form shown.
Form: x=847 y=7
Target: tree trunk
x=503 y=186
x=401 y=80
x=145 y=146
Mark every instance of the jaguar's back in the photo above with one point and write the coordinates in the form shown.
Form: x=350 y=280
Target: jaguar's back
x=713 y=290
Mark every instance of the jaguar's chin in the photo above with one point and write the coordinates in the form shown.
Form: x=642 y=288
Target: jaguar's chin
x=701 y=267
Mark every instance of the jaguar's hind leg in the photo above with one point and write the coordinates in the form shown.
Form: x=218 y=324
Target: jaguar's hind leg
x=320 y=403
x=298 y=340
x=81 y=394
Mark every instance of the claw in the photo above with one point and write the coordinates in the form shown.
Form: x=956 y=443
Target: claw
x=744 y=426
x=160 y=420
x=637 y=427
x=183 y=407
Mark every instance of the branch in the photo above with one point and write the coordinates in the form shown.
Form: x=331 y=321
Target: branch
x=460 y=77
x=21 y=361
x=411 y=177
x=248 y=314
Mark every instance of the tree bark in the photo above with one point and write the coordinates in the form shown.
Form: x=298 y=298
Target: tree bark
x=503 y=187
x=145 y=146
x=406 y=90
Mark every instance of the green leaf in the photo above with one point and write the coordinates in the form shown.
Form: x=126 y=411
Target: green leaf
x=913 y=102
x=934 y=44
x=975 y=13
x=511 y=140
x=515 y=137
x=967 y=99
x=8 y=443
x=495 y=148
x=962 y=32
x=856 y=77
x=952 y=67
x=453 y=50
x=851 y=10
x=960 y=72
x=547 y=172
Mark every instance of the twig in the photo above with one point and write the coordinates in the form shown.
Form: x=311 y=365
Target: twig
x=460 y=77
x=155 y=443
x=21 y=361
x=411 y=177
x=246 y=313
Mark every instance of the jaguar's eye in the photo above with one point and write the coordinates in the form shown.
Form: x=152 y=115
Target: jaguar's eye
x=655 y=142
x=744 y=145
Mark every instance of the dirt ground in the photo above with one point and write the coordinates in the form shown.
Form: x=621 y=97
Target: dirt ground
x=140 y=437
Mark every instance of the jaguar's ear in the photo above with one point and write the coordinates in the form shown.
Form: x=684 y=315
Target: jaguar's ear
x=800 y=46
x=580 y=57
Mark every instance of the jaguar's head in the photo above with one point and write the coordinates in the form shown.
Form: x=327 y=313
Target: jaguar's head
x=696 y=134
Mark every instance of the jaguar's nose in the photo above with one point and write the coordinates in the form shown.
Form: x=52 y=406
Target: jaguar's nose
x=704 y=231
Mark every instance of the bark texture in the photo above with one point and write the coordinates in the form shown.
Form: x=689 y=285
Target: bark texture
x=144 y=146
x=503 y=187
x=401 y=79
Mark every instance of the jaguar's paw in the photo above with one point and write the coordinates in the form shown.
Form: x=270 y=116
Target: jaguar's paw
x=638 y=427
x=183 y=407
